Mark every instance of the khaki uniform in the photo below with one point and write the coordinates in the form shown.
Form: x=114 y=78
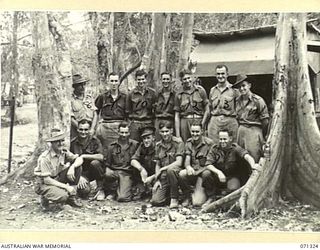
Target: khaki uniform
x=222 y=105
x=250 y=113
x=191 y=105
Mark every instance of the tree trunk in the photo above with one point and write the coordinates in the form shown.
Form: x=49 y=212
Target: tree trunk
x=165 y=44
x=291 y=165
x=52 y=71
x=186 y=41
x=146 y=58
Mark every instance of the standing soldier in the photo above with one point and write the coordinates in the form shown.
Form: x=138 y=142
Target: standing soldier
x=90 y=149
x=58 y=173
x=197 y=149
x=117 y=163
x=190 y=105
x=111 y=106
x=253 y=117
x=221 y=111
x=140 y=104
x=81 y=107
x=164 y=107
x=169 y=159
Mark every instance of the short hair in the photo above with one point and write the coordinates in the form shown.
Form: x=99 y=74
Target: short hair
x=141 y=72
x=196 y=123
x=123 y=124
x=165 y=124
x=113 y=74
x=226 y=131
x=220 y=66
x=166 y=73
x=184 y=72
x=85 y=121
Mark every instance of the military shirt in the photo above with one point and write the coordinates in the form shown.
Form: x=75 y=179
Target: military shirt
x=82 y=108
x=166 y=154
x=164 y=108
x=226 y=160
x=51 y=163
x=141 y=106
x=119 y=157
x=146 y=157
x=198 y=153
x=111 y=109
x=251 y=111
x=223 y=102
x=191 y=102
x=91 y=146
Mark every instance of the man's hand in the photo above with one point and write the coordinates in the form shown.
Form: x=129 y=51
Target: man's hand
x=144 y=175
x=71 y=190
x=190 y=170
x=83 y=182
x=222 y=177
x=70 y=174
x=149 y=180
x=257 y=167
x=156 y=186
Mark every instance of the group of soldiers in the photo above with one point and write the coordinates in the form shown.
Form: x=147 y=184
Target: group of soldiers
x=165 y=146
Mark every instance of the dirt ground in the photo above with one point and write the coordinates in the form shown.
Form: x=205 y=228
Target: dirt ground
x=20 y=209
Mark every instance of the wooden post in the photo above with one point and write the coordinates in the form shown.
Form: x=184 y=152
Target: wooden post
x=12 y=106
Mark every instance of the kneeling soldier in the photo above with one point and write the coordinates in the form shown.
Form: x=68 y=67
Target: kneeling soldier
x=90 y=149
x=197 y=149
x=169 y=158
x=117 y=163
x=224 y=166
x=144 y=161
x=58 y=172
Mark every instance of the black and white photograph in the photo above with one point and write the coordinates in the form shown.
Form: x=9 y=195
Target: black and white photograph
x=147 y=121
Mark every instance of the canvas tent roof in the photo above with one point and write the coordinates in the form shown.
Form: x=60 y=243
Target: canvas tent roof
x=249 y=51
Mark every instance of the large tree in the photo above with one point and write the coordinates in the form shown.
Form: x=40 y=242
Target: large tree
x=291 y=165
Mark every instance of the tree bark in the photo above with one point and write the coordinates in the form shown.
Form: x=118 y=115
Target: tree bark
x=165 y=44
x=186 y=41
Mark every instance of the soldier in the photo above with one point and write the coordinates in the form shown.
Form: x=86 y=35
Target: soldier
x=190 y=105
x=117 y=163
x=111 y=106
x=58 y=172
x=169 y=159
x=253 y=117
x=223 y=166
x=144 y=161
x=197 y=149
x=164 y=107
x=81 y=106
x=221 y=111
x=90 y=149
x=140 y=104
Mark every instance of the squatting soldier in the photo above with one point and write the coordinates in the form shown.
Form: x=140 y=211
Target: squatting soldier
x=196 y=151
x=253 y=117
x=190 y=105
x=164 y=107
x=81 y=106
x=111 y=106
x=140 y=104
x=58 y=172
x=90 y=149
x=169 y=159
x=117 y=163
x=221 y=111
x=144 y=162
x=224 y=171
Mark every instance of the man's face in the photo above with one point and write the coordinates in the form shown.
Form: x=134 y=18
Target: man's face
x=244 y=88
x=114 y=82
x=166 y=133
x=142 y=81
x=124 y=133
x=224 y=140
x=196 y=132
x=221 y=75
x=57 y=146
x=166 y=80
x=79 y=88
x=148 y=140
x=186 y=81
x=83 y=130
